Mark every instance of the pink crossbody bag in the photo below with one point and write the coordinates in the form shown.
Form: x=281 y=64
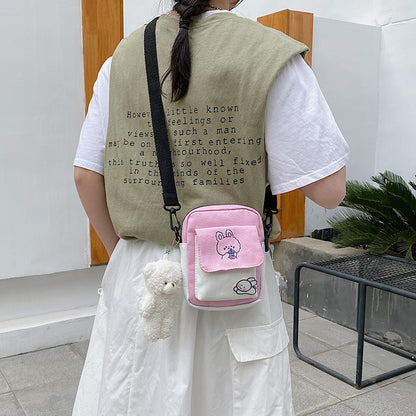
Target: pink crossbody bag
x=222 y=256
x=222 y=246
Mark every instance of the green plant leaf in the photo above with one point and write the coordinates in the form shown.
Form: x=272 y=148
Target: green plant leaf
x=398 y=195
x=355 y=229
x=372 y=200
x=381 y=217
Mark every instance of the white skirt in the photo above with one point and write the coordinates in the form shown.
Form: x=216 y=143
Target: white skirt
x=230 y=363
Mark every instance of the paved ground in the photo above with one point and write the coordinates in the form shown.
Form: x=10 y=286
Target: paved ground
x=44 y=383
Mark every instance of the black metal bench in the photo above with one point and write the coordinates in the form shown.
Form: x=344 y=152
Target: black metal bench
x=386 y=273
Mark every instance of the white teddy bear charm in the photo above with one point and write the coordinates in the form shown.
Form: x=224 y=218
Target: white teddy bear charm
x=161 y=300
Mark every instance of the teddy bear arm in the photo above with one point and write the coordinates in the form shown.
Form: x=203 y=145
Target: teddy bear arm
x=147 y=306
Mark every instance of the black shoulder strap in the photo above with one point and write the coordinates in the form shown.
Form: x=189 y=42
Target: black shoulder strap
x=170 y=197
x=269 y=209
x=270 y=201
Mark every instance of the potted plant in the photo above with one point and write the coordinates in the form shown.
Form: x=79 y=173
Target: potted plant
x=381 y=217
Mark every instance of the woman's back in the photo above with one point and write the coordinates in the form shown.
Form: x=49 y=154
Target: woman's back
x=216 y=130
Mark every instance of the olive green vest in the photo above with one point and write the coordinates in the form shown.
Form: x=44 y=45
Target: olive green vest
x=216 y=131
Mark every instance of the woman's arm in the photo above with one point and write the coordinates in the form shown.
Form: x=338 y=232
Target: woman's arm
x=91 y=191
x=303 y=142
x=327 y=192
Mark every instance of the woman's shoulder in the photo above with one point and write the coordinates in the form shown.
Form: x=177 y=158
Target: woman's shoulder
x=130 y=41
x=250 y=32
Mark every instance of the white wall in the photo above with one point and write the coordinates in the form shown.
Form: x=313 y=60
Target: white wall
x=357 y=11
x=394 y=11
x=137 y=13
x=346 y=61
x=396 y=148
x=39 y=295
x=367 y=12
x=43 y=228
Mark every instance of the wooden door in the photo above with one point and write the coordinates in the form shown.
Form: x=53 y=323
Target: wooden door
x=102 y=26
x=291 y=205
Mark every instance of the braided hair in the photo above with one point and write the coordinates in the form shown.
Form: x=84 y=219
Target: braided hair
x=180 y=63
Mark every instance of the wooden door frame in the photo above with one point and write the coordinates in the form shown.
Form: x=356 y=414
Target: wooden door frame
x=291 y=205
x=102 y=30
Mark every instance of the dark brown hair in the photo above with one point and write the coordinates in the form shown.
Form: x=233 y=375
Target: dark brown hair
x=180 y=62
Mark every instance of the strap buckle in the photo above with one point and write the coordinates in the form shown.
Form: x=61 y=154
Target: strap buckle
x=175 y=224
x=268 y=225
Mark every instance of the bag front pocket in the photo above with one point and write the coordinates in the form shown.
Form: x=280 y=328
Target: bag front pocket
x=228 y=263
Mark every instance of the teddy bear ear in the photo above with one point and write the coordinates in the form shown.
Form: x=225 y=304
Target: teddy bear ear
x=219 y=235
x=229 y=233
x=149 y=268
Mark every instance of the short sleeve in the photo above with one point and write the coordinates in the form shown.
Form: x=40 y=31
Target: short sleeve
x=91 y=146
x=303 y=141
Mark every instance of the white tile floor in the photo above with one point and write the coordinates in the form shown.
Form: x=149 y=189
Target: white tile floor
x=319 y=394
x=44 y=383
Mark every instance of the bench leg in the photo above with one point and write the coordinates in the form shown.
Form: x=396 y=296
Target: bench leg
x=296 y=311
x=361 y=301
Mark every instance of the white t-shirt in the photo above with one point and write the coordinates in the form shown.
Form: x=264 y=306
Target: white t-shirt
x=303 y=142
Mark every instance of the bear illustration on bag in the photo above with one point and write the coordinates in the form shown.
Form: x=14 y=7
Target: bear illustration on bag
x=246 y=286
x=227 y=244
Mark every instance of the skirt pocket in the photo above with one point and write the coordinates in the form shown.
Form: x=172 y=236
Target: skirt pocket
x=260 y=370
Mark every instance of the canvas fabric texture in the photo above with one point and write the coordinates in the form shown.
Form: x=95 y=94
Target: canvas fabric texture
x=216 y=131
